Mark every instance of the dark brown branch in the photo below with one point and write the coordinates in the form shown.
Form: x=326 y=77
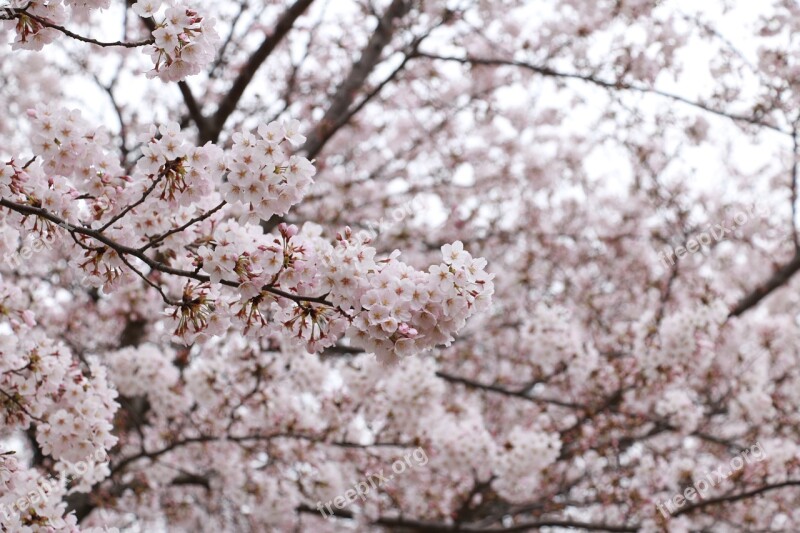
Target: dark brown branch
x=194 y=108
x=199 y=218
x=152 y=263
x=342 y=351
x=500 y=390
x=22 y=13
x=346 y=92
x=778 y=278
x=132 y=206
x=611 y=85
x=228 y=104
x=736 y=497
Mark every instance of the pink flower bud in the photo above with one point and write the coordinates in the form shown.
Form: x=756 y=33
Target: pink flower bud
x=29 y=318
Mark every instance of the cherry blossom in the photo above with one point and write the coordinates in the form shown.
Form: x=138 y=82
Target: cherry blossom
x=253 y=253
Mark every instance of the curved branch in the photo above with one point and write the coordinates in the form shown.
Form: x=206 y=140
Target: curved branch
x=737 y=497
x=780 y=277
x=617 y=85
x=139 y=254
x=228 y=104
x=22 y=14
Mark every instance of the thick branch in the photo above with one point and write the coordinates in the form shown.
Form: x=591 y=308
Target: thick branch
x=348 y=89
x=778 y=278
x=139 y=254
x=228 y=104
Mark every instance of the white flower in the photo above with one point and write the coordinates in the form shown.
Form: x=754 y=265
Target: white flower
x=293 y=135
x=146 y=8
x=166 y=38
x=454 y=254
x=272 y=133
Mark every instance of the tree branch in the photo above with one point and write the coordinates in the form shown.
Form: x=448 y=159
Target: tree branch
x=736 y=497
x=228 y=104
x=617 y=85
x=778 y=278
x=500 y=390
x=139 y=254
x=22 y=14
x=348 y=89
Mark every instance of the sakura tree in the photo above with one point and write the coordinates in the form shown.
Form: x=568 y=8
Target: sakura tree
x=540 y=254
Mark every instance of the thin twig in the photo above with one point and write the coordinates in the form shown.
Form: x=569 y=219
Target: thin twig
x=22 y=13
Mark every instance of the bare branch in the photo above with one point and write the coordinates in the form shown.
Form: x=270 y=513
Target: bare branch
x=617 y=85
x=347 y=90
x=736 y=497
x=22 y=14
x=228 y=104
x=780 y=277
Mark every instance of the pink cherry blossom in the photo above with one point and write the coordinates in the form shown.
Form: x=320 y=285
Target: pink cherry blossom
x=254 y=255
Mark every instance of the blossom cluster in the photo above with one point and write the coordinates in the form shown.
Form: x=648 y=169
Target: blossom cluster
x=262 y=176
x=67 y=146
x=71 y=406
x=30 y=33
x=406 y=311
x=185 y=41
x=385 y=306
x=294 y=282
x=187 y=173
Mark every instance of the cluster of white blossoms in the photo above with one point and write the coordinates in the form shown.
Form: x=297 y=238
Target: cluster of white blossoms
x=185 y=41
x=188 y=173
x=42 y=385
x=31 y=33
x=679 y=408
x=262 y=176
x=407 y=311
x=230 y=273
x=386 y=306
x=522 y=459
